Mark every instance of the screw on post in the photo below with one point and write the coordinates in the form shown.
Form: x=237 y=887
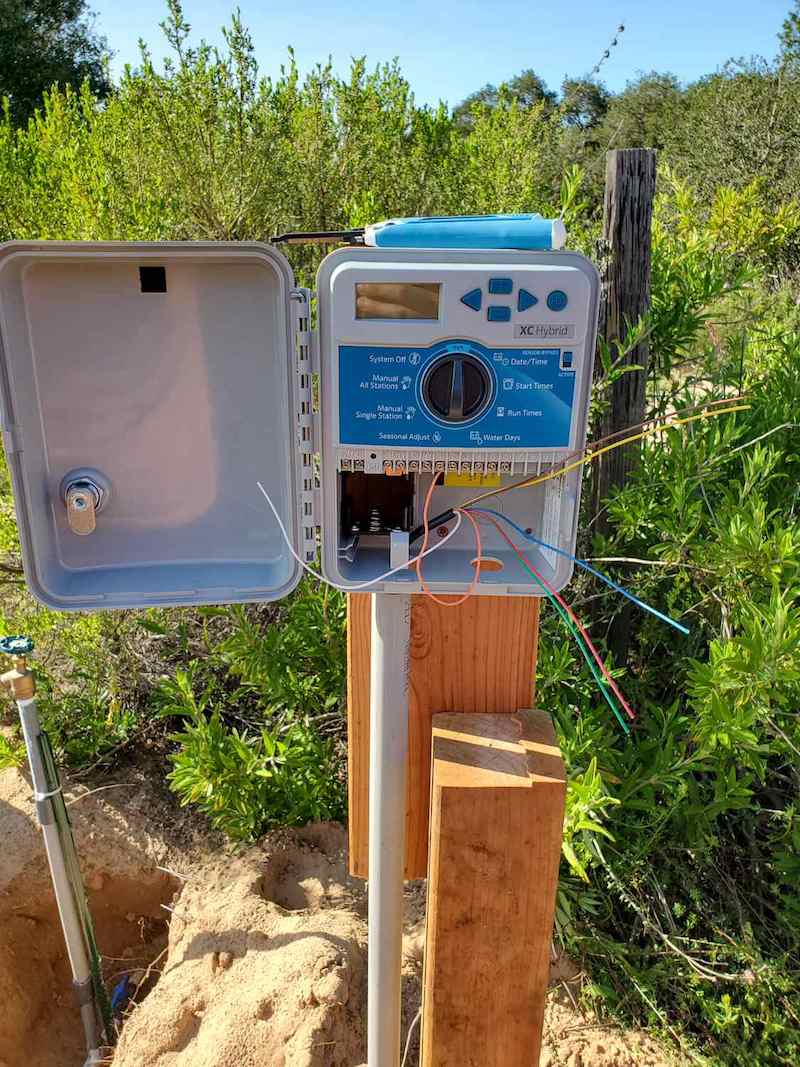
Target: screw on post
x=19 y=681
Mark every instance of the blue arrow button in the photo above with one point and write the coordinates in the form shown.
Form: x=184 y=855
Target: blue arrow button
x=525 y=300
x=472 y=299
x=501 y=286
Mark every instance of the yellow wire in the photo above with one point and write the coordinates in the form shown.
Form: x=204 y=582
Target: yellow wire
x=558 y=471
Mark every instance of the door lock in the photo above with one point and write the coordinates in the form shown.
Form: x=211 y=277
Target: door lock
x=84 y=495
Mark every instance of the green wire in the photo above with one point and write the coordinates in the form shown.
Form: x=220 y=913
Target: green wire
x=72 y=864
x=586 y=655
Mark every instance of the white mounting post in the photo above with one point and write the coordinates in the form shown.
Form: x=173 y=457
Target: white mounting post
x=388 y=750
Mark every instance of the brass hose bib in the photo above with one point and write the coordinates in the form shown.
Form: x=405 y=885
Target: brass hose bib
x=20 y=681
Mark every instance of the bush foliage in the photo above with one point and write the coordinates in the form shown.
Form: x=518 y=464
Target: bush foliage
x=682 y=843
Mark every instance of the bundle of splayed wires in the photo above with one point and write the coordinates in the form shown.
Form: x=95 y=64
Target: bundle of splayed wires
x=600 y=672
x=608 y=687
x=468 y=509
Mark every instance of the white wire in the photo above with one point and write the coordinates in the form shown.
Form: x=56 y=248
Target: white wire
x=357 y=585
x=411 y=1028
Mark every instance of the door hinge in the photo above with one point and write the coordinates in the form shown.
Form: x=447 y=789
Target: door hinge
x=315 y=365
x=12 y=439
x=305 y=424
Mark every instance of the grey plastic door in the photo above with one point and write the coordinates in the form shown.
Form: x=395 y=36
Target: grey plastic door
x=146 y=388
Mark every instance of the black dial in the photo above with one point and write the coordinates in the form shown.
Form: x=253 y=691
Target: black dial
x=457 y=387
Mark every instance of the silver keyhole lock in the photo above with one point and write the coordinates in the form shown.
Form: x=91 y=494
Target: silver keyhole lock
x=85 y=493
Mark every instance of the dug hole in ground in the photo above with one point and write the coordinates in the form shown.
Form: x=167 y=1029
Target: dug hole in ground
x=249 y=957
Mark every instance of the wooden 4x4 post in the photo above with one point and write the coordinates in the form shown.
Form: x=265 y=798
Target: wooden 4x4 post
x=494 y=827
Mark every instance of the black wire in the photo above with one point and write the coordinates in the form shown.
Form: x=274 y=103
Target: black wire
x=300 y=237
x=437 y=520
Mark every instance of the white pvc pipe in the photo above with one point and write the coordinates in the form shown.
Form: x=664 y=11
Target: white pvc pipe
x=388 y=750
x=62 y=887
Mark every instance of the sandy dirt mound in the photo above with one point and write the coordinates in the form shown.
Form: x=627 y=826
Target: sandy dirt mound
x=249 y=982
x=260 y=961
x=267 y=968
x=570 y=1040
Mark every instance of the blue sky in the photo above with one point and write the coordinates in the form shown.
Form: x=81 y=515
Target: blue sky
x=448 y=50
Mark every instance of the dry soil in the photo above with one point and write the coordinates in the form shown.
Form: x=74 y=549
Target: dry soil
x=248 y=958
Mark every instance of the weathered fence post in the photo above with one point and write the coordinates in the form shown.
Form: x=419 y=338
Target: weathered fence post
x=627 y=218
x=625 y=298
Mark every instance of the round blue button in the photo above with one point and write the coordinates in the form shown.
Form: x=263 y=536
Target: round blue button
x=557 y=300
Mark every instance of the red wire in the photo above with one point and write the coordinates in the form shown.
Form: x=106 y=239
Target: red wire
x=597 y=657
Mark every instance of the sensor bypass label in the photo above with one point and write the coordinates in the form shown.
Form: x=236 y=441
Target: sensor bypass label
x=380 y=401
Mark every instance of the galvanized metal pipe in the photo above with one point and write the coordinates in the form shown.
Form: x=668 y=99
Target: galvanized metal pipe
x=67 y=908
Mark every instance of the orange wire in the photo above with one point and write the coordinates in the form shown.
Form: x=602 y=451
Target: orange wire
x=596 y=655
x=425 y=537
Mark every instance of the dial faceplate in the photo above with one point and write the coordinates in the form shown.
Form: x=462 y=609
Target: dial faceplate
x=457 y=387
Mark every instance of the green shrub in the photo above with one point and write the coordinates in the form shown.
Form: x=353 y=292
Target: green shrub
x=12 y=752
x=688 y=920
x=261 y=743
x=247 y=781
x=299 y=663
x=89 y=676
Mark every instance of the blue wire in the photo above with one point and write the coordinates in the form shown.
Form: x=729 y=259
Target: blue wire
x=587 y=567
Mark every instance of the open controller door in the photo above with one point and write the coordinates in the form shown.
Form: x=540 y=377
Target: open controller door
x=146 y=388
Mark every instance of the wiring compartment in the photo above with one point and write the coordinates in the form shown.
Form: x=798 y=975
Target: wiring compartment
x=375 y=503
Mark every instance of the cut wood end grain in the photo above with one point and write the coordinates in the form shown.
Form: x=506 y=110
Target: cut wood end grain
x=486 y=751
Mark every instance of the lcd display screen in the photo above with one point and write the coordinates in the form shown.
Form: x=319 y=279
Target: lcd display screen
x=397 y=300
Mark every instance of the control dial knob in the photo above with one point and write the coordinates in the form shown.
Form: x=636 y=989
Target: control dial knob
x=457 y=387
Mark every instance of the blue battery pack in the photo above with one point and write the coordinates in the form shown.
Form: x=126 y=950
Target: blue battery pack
x=523 y=232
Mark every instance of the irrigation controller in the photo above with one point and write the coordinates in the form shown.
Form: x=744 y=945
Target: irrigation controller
x=147 y=388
